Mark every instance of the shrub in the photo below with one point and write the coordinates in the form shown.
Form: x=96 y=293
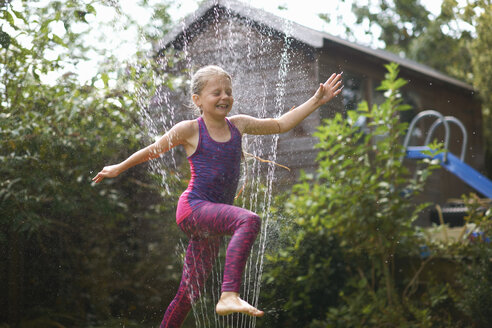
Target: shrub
x=352 y=221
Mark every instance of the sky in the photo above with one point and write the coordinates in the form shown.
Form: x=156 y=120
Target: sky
x=303 y=12
x=115 y=38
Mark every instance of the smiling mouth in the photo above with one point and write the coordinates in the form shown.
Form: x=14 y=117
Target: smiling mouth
x=223 y=106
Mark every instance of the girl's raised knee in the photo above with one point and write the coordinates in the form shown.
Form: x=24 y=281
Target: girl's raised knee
x=254 y=222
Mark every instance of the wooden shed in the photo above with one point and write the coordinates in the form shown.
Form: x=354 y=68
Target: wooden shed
x=277 y=64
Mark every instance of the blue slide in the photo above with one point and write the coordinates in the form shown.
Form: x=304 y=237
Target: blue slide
x=454 y=165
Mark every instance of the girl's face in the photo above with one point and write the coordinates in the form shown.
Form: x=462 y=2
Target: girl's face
x=216 y=97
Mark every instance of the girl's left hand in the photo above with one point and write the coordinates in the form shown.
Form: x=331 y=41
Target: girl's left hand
x=329 y=90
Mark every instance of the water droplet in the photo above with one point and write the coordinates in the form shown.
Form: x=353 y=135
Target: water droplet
x=247 y=56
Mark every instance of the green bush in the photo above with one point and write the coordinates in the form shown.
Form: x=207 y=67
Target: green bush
x=73 y=253
x=475 y=280
x=353 y=225
x=302 y=280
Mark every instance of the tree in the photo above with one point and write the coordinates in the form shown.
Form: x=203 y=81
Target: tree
x=481 y=49
x=72 y=253
x=408 y=29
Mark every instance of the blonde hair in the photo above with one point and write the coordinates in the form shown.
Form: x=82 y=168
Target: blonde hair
x=201 y=77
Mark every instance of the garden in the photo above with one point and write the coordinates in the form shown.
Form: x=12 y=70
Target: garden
x=347 y=251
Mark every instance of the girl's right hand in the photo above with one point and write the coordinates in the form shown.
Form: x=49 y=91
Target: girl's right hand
x=329 y=90
x=107 y=172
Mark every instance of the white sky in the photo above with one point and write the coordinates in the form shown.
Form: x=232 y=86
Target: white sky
x=118 y=39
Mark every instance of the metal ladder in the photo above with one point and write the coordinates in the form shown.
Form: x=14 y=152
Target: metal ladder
x=441 y=120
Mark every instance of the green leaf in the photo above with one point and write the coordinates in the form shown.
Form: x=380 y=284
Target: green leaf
x=80 y=15
x=363 y=107
x=8 y=17
x=325 y=17
x=399 y=84
x=403 y=107
x=55 y=38
x=4 y=39
x=90 y=9
x=105 y=79
x=19 y=15
x=35 y=74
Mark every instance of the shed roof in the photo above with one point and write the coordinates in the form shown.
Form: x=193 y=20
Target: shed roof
x=210 y=10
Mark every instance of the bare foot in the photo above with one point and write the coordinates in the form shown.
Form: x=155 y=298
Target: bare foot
x=230 y=302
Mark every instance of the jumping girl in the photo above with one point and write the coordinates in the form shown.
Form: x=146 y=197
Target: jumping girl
x=205 y=211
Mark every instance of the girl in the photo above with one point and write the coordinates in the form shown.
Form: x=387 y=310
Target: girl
x=205 y=211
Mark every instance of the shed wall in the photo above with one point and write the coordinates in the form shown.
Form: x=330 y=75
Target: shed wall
x=272 y=73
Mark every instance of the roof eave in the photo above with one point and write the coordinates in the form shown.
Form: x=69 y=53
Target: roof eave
x=192 y=24
x=408 y=64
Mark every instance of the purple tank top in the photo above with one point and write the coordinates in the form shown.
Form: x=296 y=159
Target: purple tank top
x=215 y=168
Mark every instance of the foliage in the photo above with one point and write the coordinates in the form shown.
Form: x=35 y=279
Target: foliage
x=369 y=193
x=353 y=257
x=74 y=253
x=482 y=70
x=299 y=280
x=355 y=219
x=159 y=23
x=476 y=279
x=407 y=28
x=400 y=22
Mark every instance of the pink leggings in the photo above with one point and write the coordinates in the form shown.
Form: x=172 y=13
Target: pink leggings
x=205 y=227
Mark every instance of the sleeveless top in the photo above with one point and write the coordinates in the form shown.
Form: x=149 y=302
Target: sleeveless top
x=215 y=168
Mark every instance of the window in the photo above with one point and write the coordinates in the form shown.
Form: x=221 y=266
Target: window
x=413 y=99
x=353 y=91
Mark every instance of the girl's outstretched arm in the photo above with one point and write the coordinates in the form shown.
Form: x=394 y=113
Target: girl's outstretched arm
x=179 y=134
x=326 y=92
